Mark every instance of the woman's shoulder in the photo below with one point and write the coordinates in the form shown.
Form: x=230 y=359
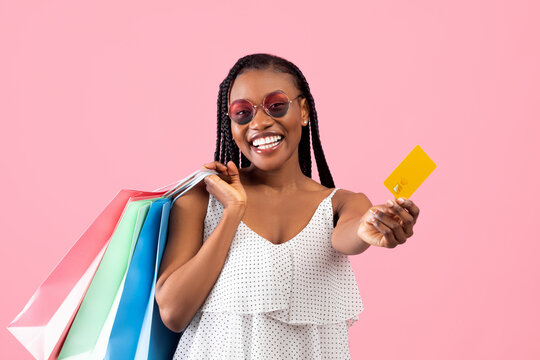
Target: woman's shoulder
x=342 y=195
x=345 y=203
x=350 y=203
x=195 y=199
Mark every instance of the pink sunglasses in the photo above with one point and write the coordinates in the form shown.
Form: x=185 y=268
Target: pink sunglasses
x=275 y=104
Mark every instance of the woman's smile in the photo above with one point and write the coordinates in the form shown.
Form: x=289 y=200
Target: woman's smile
x=268 y=147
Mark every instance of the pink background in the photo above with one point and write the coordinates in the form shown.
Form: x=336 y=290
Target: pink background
x=101 y=95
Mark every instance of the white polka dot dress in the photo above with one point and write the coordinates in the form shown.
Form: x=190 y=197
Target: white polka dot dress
x=294 y=300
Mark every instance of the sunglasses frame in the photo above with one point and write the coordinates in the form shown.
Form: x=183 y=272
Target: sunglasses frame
x=256 y=107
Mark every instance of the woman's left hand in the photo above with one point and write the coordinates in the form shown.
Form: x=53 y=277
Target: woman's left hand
x=390 y=224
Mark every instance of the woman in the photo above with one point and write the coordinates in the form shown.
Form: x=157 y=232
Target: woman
x=251 y=270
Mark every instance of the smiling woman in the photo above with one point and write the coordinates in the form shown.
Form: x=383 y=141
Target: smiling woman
x=281 y=287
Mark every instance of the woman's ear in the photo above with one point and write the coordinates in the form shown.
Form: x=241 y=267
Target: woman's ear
x=304 y=111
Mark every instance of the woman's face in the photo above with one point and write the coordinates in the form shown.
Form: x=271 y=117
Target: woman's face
x=253 y=85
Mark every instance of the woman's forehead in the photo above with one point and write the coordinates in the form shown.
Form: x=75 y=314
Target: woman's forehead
x=255 y=84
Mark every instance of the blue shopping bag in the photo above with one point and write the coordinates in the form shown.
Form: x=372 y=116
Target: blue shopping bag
x=156 y=340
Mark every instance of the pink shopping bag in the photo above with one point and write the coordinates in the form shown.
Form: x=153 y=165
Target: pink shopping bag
x=43 y=323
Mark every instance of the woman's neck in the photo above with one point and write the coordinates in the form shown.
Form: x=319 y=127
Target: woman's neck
x=280 y=181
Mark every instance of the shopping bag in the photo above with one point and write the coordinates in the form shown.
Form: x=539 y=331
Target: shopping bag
x=89 y=334
x=44 y=321
x=43 y=324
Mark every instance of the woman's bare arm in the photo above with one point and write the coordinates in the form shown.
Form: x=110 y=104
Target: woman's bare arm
x=345 y=237
x=190 y=268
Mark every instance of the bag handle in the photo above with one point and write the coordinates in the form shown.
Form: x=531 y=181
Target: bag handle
x=172 y=186
x=187 y=183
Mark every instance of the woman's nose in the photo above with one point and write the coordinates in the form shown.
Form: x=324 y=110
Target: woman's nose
x=261 y=119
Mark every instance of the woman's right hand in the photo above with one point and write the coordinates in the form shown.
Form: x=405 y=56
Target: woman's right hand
x=226 y=187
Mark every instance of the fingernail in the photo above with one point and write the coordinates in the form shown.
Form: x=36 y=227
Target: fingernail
x=401 y=200
x=390 y=203
x=373 y=211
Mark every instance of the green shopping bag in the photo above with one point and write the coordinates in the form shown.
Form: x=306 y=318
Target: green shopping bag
x=94 y=318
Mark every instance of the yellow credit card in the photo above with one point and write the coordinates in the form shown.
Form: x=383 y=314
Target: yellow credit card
x=410 y=173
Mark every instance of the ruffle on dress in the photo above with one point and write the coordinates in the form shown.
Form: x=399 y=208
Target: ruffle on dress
x=221 y=335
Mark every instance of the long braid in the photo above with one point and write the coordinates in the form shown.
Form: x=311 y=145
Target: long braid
x=304 y=150
x=322 y=165
x=226 y=148
x=219 y=129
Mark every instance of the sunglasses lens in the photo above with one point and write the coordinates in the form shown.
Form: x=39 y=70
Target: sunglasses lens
x=241 y=111
x=277 y=104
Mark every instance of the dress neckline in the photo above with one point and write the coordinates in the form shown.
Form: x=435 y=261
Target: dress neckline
x=300 y=232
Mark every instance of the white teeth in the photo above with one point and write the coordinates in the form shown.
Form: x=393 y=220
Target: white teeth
x=266 y=140
x=266 y=146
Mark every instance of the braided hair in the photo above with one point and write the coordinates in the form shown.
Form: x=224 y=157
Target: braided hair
x=226 y=148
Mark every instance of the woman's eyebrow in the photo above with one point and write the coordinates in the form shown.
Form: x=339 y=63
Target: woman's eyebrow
x=247 y=98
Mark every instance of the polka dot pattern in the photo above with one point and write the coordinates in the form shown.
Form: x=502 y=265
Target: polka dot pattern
x=294 y=300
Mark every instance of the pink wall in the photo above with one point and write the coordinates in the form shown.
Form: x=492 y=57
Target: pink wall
x=101 y=95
